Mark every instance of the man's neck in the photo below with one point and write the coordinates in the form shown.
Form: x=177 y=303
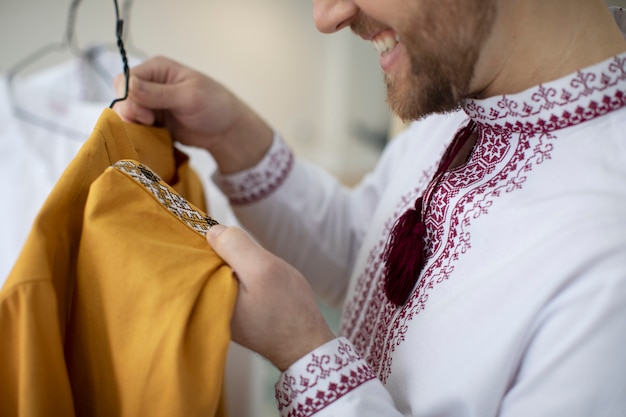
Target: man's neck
x=537 y=41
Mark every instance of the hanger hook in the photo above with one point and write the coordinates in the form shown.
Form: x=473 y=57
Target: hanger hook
x=119 y=31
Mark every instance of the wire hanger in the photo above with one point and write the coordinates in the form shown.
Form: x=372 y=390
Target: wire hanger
x=126 y=14
x=90 y=55
x=119 y=31
x=67 y=44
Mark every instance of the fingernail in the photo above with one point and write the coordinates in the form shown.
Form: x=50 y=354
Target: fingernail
x=144 y=116
x=215 y=231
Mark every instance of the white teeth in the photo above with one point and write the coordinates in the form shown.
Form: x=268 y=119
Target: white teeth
x=385 y=44
x=390 y=43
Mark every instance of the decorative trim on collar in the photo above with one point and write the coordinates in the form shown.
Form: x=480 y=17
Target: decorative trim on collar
x=568 y=101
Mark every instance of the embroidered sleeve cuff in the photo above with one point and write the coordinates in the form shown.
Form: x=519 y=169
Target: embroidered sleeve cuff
x=256 y=183
x=321 y=378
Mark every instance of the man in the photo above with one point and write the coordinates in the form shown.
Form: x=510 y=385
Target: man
x=482 y=264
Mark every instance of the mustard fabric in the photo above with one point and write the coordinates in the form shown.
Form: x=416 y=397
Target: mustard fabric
x=116 y=306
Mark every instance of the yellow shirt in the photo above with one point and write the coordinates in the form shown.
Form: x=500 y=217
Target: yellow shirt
x=117 y=306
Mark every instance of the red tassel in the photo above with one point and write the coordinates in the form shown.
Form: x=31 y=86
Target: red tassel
x=404 y=255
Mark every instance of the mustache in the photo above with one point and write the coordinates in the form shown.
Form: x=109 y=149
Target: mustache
x=364 y=26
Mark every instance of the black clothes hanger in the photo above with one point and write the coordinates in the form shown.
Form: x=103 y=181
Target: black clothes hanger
x=126 y=36
x=119 y=31
x=91 y=55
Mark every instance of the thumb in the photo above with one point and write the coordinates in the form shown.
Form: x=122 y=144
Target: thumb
x=152 y=95
x=133 y=109
x=236 y=248
x=152 y=83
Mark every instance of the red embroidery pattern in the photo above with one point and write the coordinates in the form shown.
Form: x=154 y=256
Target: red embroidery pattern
x=257 y=184
x=494 y=169
x=377 y=308
x=605 y=79
x=327 y=378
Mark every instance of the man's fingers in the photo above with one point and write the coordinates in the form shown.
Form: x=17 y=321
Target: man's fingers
x=236 y=248
x=130 y=110
x=159 y=70
x=149 y=94
x=153 y=85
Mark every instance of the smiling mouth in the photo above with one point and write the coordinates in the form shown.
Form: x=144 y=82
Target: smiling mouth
x=385 y=42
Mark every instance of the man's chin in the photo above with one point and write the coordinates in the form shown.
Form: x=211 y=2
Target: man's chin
x=405 y=107
x=417 y=101
x=399 y=99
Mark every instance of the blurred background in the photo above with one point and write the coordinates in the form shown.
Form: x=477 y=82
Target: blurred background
x=323 y=93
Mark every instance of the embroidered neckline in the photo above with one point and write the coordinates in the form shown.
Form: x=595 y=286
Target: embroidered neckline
x=571 y=100
x=165 y=195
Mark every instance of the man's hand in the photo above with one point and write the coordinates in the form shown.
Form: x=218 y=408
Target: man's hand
x=276 y=314
x=197 y=111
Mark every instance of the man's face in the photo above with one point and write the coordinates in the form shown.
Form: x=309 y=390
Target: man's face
x=431 y=68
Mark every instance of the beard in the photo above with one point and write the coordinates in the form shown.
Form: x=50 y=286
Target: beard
x=419 y=93
x=443 y=44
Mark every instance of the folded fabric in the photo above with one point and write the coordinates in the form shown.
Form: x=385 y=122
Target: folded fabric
x=117 y=305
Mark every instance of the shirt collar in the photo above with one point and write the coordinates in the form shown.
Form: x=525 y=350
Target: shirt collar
x=568 y=101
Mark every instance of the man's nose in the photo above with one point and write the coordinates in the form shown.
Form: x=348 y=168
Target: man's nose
x=333 y=15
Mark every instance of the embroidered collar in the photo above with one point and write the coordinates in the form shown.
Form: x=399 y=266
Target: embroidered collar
x=568 y=101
